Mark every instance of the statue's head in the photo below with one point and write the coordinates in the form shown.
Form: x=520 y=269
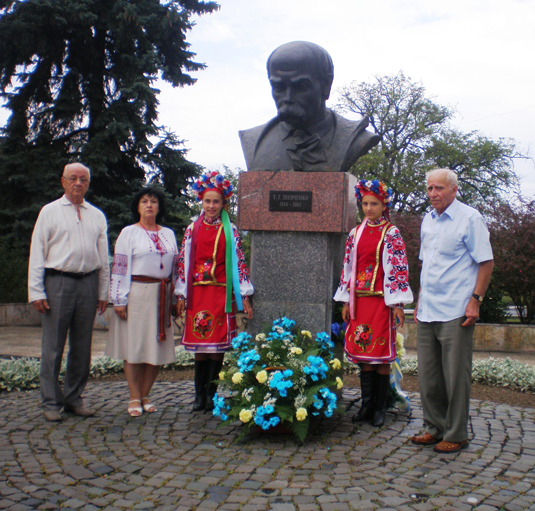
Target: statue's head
x=301 y=75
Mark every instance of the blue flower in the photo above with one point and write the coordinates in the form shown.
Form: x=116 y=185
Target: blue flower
x=219 y=407
x=278 y=382
x=335 y=329
x=247 y=360
x=242 y=342
x=323 y=339
x=261 y=419
x=317 y=368
x=284 y=322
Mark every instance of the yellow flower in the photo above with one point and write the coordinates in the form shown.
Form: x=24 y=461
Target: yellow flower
x=306 y=333
x=261 y=376
x=260 y=337
x=245 y=415
x=399 y=341
x=335 y=363
x=237 y=378
x=295 y=350
x=339 y=383
x=222 y=375
x=301 y=414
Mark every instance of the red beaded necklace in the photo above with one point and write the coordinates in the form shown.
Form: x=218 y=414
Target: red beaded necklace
x=155 y=238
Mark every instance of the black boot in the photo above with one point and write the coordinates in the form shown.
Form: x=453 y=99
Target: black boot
x=214 y=369
x=382 y=384
x=201 y=373
x=366 y=408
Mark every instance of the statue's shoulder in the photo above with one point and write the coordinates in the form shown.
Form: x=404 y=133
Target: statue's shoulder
x=355 y=137
x=251 y=138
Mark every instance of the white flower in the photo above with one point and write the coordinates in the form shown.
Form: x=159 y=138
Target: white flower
x=300 y=401
x=260 y=337
x=279 y=330
x=247 y=394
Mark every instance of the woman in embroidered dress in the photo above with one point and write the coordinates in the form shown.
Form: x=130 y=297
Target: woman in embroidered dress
x=213 y=283
x=374 y=286
x=142 y=278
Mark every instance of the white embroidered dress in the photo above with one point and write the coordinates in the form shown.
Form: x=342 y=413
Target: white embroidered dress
x=136 y=253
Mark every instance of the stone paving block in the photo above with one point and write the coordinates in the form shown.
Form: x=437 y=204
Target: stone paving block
x=174 y=459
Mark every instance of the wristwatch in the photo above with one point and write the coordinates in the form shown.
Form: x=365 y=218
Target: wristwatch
x=477 y=297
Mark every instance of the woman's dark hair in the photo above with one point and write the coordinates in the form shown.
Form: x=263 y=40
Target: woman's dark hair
x=151 y=191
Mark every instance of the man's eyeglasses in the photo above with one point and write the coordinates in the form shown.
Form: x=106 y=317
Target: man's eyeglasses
x=73 y=179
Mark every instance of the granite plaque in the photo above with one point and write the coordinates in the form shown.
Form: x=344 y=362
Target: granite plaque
x=290 y=201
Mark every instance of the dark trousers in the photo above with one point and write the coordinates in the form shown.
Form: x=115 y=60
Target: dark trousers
x=73 y=305
x=445 y=377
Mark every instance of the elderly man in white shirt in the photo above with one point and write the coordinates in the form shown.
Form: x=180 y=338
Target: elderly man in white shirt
x=457 y=263
x=68 y=281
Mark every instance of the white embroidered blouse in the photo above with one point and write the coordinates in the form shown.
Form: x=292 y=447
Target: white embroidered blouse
x=396 y=287
x=140 y=252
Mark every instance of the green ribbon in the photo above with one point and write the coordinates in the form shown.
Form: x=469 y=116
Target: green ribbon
x=227 y=229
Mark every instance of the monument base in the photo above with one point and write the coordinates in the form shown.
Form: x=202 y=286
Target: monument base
x=295 y=274
x=296 y=254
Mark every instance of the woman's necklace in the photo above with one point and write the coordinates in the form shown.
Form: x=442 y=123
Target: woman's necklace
x=155 y=238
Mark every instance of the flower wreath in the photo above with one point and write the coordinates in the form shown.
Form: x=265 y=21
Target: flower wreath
x=376 y=187
x=212 y=181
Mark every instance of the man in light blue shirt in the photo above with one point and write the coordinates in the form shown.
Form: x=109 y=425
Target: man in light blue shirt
x=457 y=263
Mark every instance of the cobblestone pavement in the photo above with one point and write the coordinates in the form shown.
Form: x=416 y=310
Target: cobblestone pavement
x=175 y=460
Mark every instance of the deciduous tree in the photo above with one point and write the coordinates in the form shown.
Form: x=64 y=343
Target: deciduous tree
x=513 y=242
x=417 y=137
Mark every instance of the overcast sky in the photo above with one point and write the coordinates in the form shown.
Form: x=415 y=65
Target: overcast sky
x=474 y=55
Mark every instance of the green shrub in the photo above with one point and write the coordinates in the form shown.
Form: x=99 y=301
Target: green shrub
x=23 y=373
x=496 y=372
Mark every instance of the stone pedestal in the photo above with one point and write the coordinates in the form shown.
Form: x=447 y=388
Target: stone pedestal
x=296 y=256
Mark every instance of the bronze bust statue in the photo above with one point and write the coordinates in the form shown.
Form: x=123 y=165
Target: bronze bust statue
x=306 y=135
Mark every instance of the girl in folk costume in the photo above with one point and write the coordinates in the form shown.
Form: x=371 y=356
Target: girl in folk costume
x=374 y=286
x=213 y=283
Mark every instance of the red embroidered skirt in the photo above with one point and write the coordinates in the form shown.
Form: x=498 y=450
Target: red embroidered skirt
x=208 y=328
x=371 y=337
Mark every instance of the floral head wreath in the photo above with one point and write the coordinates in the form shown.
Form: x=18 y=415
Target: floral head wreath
x=375 y=187
x=212 y=181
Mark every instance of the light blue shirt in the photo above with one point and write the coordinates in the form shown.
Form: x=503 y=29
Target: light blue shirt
x=453 y=245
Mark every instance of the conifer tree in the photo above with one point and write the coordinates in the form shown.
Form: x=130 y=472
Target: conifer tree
x=79 y=79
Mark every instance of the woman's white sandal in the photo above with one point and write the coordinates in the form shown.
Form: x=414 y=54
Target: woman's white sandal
x=148 y=407
x=135 y=411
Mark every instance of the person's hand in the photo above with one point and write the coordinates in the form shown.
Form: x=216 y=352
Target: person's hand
x=471 y=312
x=416 y=312
x=399 y=317
x=345 y=313
x=101 y=306
x=120 y=310
x=180 y=307
x=40 y=306
x=248 y=309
